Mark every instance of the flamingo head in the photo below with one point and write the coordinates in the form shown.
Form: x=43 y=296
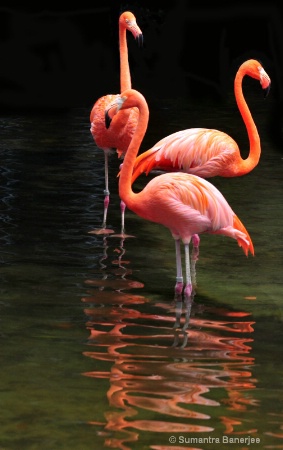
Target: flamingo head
x=254 y=69
x=112 y=109
x=128 y=21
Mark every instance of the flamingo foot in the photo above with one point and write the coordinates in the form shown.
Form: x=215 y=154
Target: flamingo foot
x=101 y=231
x=123 y=235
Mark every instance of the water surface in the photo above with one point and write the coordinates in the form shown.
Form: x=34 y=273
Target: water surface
x=93 y=351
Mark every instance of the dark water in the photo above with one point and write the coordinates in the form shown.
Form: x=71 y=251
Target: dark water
x=92 y=351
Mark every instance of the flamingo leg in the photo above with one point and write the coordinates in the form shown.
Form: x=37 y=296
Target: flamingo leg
x=103 y=229
x=188 y=287
x=179 y=275
x=123 y=208
x=106 y=191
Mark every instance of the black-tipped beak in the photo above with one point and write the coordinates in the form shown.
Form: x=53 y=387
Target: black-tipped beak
x=108 y=119
x=139 y=40
x=266 y=91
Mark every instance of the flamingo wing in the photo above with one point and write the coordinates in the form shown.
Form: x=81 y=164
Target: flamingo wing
x=119 y=134
x=188 y=205
x=200 y=151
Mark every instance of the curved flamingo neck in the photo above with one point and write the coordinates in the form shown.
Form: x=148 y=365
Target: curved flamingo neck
x=254 y=153
x=125 y=76
x=125 y=180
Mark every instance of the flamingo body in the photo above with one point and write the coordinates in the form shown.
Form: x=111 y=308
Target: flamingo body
x=124 y=122
x=207 y=152
x=188 y=205
x=199 y=151
x=184 y=203
x=122 y=128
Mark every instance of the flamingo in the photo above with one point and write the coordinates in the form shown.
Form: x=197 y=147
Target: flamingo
x=207 y=152
x=184 y=203
x=124 y=123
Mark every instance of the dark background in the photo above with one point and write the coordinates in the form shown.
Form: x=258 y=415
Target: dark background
x=60 y=58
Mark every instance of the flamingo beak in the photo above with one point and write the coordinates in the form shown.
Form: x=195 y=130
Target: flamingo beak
x=266 y=90
x=264 y=81
x=118 y=103
x=107 y=118
x=139 y=40
x=136 y=31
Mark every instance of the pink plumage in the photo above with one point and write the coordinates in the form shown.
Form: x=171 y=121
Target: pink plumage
x=186 y=204
x=124 y=123
x=208 y=152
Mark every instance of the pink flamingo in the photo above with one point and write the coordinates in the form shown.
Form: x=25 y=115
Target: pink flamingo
x=207 y=152
x=124 y=123
x=184 y=203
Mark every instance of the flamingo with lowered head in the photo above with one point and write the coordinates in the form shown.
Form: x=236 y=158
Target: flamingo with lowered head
x=124 y=123
x=208 y=152
x=186 y=204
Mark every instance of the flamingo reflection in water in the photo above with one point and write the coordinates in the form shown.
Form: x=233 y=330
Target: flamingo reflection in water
x=158 y=386
x=148 y=378
x=107 y=276
x=114 y=290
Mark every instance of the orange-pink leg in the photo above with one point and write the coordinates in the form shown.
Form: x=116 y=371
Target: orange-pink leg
x=103 y=229
x=106 y=204
x=106 y=190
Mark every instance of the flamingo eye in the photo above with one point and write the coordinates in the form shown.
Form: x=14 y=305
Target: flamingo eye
x=129 y=23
